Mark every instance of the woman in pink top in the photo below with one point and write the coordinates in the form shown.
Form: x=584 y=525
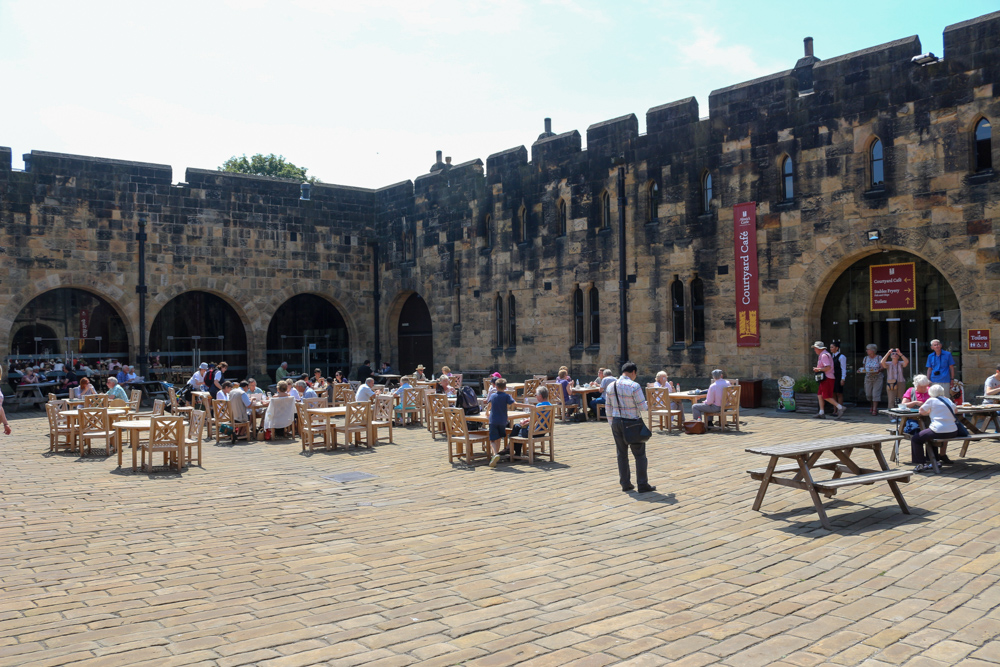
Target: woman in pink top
x=915 y=396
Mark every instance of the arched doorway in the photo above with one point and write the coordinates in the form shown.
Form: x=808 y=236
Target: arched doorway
x=196 y=327
x=848 y=316
x=308 y=332
x=415 y=336
x=68 y=324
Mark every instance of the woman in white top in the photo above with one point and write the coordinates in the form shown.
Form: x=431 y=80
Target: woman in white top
x=943 y=425
x=871 y=366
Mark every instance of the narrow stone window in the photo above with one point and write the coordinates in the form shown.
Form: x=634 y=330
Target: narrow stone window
x=706 y=193
x=563 y=218
x=489 y=230
x=595 y=317
x=652 y=201
x=876 y=164
x=697 y=310
x=787 y=182
x=499 y=315
x=605 y=210
x=578 y=317
x=511 y=322
x=984 y=146
x=677 y=305
x=519 y=226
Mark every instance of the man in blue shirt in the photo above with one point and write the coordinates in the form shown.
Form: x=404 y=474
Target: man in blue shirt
x=115 y=390
x=941 y=367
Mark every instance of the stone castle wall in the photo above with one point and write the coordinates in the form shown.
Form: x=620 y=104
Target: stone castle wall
x=449 y=235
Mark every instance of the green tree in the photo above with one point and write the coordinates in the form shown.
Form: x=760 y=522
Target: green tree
x=267 y=165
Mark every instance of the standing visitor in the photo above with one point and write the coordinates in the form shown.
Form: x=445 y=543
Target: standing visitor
x=941 y=366
x=364 y=371
x=839 y=370
x=627 y=402
x=871 y=366
x=824 y=376
x=498 y=419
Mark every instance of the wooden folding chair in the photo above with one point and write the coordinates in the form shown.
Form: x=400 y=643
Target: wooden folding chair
x=410 y=405
x=60 y=432
x=436 y=404
x=311 y=427
x=224 y=415
x=541 y=432
x=660 y=407
x=196 y=422
x=95 y=423
x=357 y=422
x=461 y=441
x=166 y=435
x=382 y=416
x=175 y=407
x=729 y=414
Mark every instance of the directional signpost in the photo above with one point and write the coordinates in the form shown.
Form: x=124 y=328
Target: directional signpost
x=892 y=287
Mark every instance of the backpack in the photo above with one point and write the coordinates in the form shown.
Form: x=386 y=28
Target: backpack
x=467 y=400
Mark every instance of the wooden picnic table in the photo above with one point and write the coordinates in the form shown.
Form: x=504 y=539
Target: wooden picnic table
x=970 y=416
x=31 y=394
x=151 y=389
x=807 y=460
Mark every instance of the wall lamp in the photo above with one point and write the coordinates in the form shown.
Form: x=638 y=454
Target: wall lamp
x=874 y=235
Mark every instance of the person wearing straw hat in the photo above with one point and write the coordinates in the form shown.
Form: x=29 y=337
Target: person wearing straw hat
x=419 y=373
x=824 y=372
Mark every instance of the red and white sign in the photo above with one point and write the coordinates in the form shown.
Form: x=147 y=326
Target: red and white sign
x=979 y=339
x=892 y=287
x=747 y=302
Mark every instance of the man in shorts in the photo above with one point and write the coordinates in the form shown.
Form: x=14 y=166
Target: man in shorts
x=824 y=364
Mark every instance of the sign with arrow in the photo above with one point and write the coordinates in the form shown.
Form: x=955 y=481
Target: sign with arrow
x=892 y=287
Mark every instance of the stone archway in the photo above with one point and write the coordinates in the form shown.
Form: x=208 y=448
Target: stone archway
x=199 y=326
x=413 y=332
x=309 y=331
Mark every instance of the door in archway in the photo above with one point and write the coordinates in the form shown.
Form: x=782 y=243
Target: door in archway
x=68 y=324
x=847 y=316
x=196 y=327
x=415 y=336
x=308 y=332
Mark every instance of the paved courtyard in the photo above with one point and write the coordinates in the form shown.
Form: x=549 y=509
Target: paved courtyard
x=260 y=559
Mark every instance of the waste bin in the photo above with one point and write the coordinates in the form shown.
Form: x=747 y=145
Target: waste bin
x=751 y=393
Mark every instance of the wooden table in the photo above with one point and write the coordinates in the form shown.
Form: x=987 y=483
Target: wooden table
x=688 y=396
x=584 y=391
x=970 y=415
x=134 y=428
x=73 y=418
x=151 y=389
x=807 y=460
x=328 y=414
x=483 y=418
x=31 y=394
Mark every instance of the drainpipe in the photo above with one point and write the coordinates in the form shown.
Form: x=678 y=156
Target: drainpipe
x=378 y=298
x=622 y=271
x=141 y=291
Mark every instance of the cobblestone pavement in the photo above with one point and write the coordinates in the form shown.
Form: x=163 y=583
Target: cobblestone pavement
x=260 y=559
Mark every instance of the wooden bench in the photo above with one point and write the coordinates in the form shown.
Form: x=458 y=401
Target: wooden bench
x=932 y=445
x=865 y=478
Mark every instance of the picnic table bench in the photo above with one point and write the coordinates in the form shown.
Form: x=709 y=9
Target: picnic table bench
x=807 y=457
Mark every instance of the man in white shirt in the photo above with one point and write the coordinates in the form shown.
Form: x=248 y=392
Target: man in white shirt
x=197 y=380
x=223 y=394
x=992 y=388
x=366 y=391
x=302 y=390
x=713 y=401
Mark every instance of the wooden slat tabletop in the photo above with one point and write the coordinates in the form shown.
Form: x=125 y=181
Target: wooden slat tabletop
x=836 y=442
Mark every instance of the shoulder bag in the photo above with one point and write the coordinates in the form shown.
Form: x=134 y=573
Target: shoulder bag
x=635 y=430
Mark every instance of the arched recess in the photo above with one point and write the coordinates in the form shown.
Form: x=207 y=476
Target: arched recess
x=198 y=326
x=813 y=288
x=94 y=325
x=309 y=331
x=413 y=332
x=101 y=285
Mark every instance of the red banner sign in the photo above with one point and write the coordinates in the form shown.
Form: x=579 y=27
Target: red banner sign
x=747 y=302
x=84 y=324
x=892 y=287
x=979 y=339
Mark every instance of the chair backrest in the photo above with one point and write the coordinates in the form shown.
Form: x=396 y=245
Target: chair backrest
x=172 y=395
x=196 y=424
x=223 y=411
x=455 y=381
x=412 y=398
x=455 y=425
x=354 y=384
x=94 y=419
x=95 y=401
x=358 y=414
x=52 y=397
x=117 y=403
x=133 y=404
x=314 y=403
x=531 y=386
x=658 y=398
x=158 y=407
x=555 y=394
x=542 y=378
x=436 y=404
x=166 y=429
x=342 y=394
x=731 y=398
x=60 y=404
x=53 y=414
x=383 y=408
x=542 y=421
x=136 y=395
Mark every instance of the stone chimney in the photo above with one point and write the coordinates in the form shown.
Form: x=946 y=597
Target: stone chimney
x=548 y=130
x=808 y=44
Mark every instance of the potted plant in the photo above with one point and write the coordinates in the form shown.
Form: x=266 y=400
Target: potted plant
x=805 y=389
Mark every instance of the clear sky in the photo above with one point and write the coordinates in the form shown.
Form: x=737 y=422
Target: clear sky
x=363 y=92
